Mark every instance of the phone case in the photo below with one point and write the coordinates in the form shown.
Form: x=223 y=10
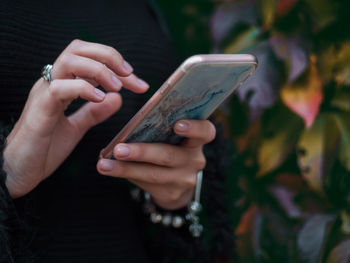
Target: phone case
x=194 y=91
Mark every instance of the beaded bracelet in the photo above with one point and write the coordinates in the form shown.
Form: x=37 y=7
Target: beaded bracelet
x=168 y=219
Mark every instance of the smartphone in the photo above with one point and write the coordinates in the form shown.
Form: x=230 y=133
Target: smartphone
x=193 y=91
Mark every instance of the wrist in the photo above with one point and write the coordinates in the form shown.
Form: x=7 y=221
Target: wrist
x=176 y=203
x=11 y=186
x=188 y=216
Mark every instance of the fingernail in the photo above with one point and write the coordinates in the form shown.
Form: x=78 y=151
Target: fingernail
x=106 y=165
x=143 y=84
x=117 y=82
x=99 y=94
x=122 y=151
x=182 y=126
x=127 y=67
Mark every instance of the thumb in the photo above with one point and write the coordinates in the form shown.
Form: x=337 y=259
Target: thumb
x=94 y=113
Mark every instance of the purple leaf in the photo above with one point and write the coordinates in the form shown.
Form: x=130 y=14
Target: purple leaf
x=312 y=236
x=284 y=197
x=259 y=91
x=228 y=15
x=294 y=52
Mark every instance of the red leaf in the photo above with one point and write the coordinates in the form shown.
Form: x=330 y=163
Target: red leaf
x=248 y=234
x=305 y=98
x=284 y=6
x=292 y=181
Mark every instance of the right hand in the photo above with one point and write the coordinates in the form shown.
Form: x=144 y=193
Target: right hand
x=43 y=137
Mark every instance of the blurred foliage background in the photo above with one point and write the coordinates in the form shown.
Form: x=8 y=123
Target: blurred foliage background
x=290 y=122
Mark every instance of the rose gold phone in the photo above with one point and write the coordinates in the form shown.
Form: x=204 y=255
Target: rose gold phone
x=194 y=91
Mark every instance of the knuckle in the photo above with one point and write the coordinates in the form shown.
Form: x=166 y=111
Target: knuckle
x=155 y=177
x=100 y=71
x=167 y=158
x=82 y=84
x=113 y=53
x=76 y=43
x=63 y=59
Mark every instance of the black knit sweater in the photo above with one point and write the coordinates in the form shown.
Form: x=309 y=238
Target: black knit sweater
x=77 y=215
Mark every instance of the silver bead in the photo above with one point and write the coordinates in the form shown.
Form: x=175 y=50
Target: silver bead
x=135 y=194
x=195 y=207
x=177 y=221
x=147 y=196
x=191 y=217
x=166 y=221
x=156 y=218
x=196 y=229
x=148 y=207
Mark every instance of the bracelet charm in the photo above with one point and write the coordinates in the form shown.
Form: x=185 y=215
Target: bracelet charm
x=168 y=219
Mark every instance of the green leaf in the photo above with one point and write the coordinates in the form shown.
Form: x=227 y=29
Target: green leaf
x=341 y=253
x=334 y=64
x=243 y=40
x=312 y=237
x=336 y=186
x=343 y=123
x=341 y=99
x=323 y=12
x=318 y=148
x=281 y=129
x=345 y=218
x=268 y=12
x=342 y=67
x=343 y=77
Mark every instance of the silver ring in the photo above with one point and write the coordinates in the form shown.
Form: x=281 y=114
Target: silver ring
x=46 y=72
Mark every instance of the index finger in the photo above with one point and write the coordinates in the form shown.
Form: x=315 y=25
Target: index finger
x=103 y=54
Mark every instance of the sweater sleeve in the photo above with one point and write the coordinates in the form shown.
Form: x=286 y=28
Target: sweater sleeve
x=13 y=233
x=8 y=215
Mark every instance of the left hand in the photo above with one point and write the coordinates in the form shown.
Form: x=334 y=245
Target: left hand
x=167 y=172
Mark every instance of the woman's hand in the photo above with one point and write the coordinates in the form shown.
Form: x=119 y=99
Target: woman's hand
x=167 y=172
x=43 y=136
